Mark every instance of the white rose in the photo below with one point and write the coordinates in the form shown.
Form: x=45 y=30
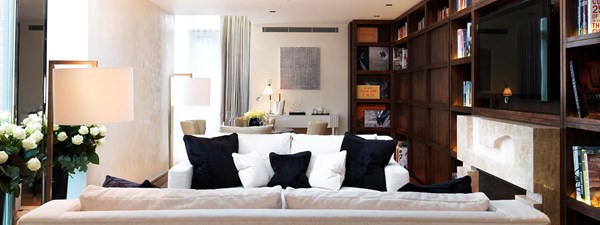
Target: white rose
x=56 y=127
x=102 y=130
x=100 y=142
x=37 y=136
x=34 y=164
x=83 y=130
x=77 y=139
x=31 y=128
x=3 y=128
x=3 y=157
x=94 y=131
x=19 y=133
x=61 y=136
x=29 y=143
x=10 y=128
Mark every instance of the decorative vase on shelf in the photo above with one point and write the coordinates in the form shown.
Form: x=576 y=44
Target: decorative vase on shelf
x=254 y=122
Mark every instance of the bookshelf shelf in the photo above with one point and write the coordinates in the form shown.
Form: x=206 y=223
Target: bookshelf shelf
x=461 y=61
x=582 y=208
x=461 y=109
x=583 y=40
x=373 y=100
x=373 y=72
x=401 y=71
x=373 y=44
x=583 y=124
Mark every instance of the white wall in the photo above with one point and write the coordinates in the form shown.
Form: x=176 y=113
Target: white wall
x=138 y=34
x=264 y=64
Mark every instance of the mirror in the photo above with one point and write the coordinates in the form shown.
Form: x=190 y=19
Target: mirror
x=30 y=67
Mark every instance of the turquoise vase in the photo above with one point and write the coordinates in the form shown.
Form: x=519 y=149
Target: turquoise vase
x=9 y=205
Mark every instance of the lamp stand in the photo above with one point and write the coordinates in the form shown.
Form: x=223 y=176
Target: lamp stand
x=53 y=64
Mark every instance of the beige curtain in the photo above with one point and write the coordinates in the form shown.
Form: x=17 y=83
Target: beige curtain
x=235 y=36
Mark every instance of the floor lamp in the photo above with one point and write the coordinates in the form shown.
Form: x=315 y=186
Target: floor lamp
x=89 y=95
x=185 y=91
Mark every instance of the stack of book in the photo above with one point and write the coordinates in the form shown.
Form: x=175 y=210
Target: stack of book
x=462 y=4
x=586 y=163
x=421 y=23
x=403 y=31
x=588 y=16
x=400 y=60
x=443 y=13
x=463 y=39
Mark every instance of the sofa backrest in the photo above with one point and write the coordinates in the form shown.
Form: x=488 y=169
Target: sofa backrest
x=264 y=143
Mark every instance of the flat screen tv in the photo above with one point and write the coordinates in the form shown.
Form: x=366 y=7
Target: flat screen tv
x=512 y=50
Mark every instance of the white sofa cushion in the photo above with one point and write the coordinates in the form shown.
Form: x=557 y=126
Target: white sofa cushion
x=94 y=198
x=254 y=169
x=264 y=144
x=413 y=201
x=328 y=171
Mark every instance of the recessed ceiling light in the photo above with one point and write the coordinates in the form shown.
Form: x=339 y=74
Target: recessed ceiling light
x=388 y=4
x=272 y=11
x=376 y=16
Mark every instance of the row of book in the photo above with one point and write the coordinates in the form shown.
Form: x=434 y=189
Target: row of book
x=462 y=4
x=443 y=13
x=586 y=167
x=588 y=16
x=463 y=45
x=400 y=60
x=421 y=23
x=403 y=31
x=467 y=93
x=585 y=79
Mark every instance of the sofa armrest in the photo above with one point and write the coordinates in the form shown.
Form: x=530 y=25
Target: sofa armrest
x=396 y=176
x=50 y=212
x=180 y=176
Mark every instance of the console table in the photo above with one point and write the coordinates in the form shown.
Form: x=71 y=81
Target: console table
x=301 y=121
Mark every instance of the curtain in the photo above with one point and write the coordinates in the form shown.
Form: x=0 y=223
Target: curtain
x=235 y=42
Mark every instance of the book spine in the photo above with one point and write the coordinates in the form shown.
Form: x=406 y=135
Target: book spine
x=593 y=16
x=578 y=17
x=468 y=39
x=578 y=103
x=584 y=20
x=578 y=173
x=585 y=176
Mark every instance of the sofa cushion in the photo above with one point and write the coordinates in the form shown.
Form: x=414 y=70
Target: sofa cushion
x=290 y=170
x=212 y=161
x=253 y=169
x=324 y=199
x=366 y=160
x=460 y=185
x=328 y=171
x=94 y=198
x=264 y=144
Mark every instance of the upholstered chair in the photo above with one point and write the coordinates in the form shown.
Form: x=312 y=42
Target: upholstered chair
x=192 y=127
x=317 y=127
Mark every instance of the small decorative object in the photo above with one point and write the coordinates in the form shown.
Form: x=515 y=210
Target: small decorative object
x=254 y=118
x=377 y=118
x=20 y=154
x=74 y=148
x=506 y=93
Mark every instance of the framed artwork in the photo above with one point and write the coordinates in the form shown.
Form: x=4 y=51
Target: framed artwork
x=300 y=68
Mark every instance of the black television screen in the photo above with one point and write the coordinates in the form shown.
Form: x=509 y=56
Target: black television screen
x=512 y=51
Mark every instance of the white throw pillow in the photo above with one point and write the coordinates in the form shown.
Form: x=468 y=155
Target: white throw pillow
x=252 y=169
x=328 y=171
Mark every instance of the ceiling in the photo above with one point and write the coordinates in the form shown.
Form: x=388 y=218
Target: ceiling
x=291 y=11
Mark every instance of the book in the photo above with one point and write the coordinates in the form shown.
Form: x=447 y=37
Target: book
x=584 y=16
x=362 y=58
x=468 y=40
x=397 y=59
x=379 y=58
x=367 y=91
x=591 y=175
x=467 y=93
x=402 y=153
x=578 y=100
x=593 y=16
x=377 y=118
x=384 y=88
x=578 y=173
x=366 y=34
x=361 y=108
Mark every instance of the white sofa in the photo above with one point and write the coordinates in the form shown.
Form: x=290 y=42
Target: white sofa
x=274 y=205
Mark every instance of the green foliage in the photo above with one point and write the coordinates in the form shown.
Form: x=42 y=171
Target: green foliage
x=72 y=155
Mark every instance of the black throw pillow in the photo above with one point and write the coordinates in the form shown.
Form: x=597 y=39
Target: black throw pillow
x=212 y=161
x=111 y=182
x=290 y=170
x=460 y=185
x=365 y=161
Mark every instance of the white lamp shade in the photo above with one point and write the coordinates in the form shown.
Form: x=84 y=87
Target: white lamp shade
x=92 y=95
x=186 y=91
x=268 y=90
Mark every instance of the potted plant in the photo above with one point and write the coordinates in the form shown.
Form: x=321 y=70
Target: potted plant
x=74 y=147
x=254 y=118
x=20 y=155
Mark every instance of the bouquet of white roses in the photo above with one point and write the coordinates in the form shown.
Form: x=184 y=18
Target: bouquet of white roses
x=20 y=154
x=75 y=146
